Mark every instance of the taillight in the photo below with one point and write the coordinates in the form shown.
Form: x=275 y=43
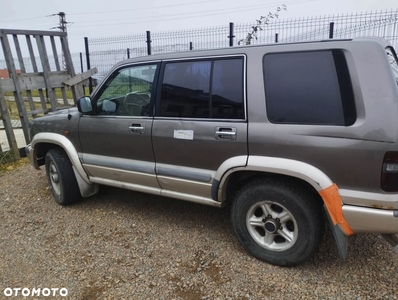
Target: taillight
x=389 y=174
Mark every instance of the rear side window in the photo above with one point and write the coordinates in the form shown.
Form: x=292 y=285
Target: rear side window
x=203 y=89
x=308 y=88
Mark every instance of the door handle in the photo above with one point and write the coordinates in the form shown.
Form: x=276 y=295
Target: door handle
x=137 y=128
x=225 y=133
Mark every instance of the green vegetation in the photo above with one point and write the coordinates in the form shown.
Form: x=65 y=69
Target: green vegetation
x=13 y=109
x=260 y=23
x=9 y=161
x=58 y=93
x=35 y=93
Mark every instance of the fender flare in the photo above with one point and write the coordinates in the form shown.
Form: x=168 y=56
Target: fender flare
x=64 y=143
x=326 y=188
x=315 y=177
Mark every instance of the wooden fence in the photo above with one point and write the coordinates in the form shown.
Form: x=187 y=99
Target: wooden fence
x=42 y=80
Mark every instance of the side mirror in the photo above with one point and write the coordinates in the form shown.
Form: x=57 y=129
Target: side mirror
x=84 y=105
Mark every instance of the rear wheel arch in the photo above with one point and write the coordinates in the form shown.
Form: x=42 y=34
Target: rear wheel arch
x=237 y=170
x=276 y=221
x=236 y=180
x=297 y=175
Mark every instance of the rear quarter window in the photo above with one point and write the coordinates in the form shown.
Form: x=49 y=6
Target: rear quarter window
x=311 y=87
x=392 y=59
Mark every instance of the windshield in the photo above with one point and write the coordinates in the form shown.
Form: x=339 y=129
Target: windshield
x=392 y=58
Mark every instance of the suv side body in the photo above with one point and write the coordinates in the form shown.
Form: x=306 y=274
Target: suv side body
x=281 y=130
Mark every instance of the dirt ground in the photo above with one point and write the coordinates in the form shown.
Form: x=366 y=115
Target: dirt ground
x=125 y=245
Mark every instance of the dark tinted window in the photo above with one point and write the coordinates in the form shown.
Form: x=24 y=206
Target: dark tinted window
x=308 y=88
x=227 y=89
x=185 y=89
x=203 y=89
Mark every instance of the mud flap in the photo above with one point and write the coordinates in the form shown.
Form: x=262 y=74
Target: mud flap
x=340 y=238
x=393 y=240
x=86 y=190
x=340 y=227
x=22 y=152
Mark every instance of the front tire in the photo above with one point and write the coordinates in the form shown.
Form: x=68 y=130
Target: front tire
x=278 y=222
x=61 y=177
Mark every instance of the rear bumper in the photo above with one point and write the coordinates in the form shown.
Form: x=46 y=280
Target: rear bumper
x=371 y=220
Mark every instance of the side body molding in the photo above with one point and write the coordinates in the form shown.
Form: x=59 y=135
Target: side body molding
x=86 y=187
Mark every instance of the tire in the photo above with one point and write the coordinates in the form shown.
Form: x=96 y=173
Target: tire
x=278 y=222
x=61 y=177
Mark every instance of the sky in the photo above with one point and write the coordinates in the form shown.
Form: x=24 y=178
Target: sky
x=105 y=18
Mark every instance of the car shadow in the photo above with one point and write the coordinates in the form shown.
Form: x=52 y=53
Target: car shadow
x=216 y=222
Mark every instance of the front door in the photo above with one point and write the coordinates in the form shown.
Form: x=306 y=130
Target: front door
x=116 y=137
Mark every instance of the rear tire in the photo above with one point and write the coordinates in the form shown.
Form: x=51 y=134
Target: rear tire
x=278 y=222
x=61 y=177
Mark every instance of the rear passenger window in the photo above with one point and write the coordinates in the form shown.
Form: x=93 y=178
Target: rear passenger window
x=203 y=89
x=308 y=88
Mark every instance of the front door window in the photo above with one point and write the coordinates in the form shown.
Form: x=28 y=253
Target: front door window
x=127 y=92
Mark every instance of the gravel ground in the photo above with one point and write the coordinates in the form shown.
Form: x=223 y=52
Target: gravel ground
x=125 y=245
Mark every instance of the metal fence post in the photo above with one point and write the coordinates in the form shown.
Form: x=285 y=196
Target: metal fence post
x=148 y=42
x=82 y=70
x=90 y=85
x=231 y=34
x=190 y=46
x=81 y=62
x=276 y=37
x=128 y=52
x=331 y=30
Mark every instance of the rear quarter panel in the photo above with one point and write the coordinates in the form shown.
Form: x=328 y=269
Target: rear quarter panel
x=351 y=156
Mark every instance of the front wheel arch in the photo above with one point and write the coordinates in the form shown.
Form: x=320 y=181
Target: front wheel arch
x=61 y=177
x=86 y=188
x=44 y=141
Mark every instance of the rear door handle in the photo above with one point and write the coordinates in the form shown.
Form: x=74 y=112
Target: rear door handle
x=137 y=128
x=228 y=133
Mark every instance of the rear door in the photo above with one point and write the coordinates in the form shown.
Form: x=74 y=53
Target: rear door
x=200 y=121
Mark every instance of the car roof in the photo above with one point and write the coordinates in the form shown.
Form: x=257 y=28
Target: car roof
x=235 y=50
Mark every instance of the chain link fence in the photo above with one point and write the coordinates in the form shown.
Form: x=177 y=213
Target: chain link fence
x=104 y=52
